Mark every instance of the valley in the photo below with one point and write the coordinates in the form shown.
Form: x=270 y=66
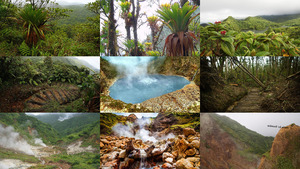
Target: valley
x=27 y=142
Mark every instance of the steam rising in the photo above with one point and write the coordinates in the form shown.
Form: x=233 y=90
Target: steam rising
x=12 y=140
x=133 y=68
x=66 y=116
x=40 y=142
x=143 y=134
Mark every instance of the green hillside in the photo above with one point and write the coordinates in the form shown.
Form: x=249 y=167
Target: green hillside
x=75 y=124
x=292 y=22
x=22 y=123
x=257 y=143
x=65 y=60
x=84 y=125
x=251 y=23
x=89 y=134
x=281 y=18
x=79 y=15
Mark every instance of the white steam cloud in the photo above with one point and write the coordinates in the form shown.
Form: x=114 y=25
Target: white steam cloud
x=40 y=142
x=65 y=116
x=143 y=134
x=12 y=140
x=133 y=68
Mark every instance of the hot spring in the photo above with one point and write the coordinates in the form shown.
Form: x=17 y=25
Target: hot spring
x=136 y=84
x=138 y=89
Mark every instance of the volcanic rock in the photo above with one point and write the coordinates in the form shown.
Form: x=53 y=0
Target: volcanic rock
x=169 y=160
x=196 y=144
x=190 y=152
x=166 y=155
x=188 y=131
x=132 y=118
x=181 y=145
x=177 y=101
x=122 y=154
x=285 y=149
x=167 y=166
x=183 y=164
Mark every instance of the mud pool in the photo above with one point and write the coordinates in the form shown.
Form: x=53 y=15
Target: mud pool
x=138 y=89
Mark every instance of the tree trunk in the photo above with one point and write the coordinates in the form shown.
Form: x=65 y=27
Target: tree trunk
x=182 y=2
x=112 y=31
x=135 y=15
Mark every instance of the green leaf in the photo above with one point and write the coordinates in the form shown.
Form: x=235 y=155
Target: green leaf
x=228 y=39
x=228 y=48
x=263 y=53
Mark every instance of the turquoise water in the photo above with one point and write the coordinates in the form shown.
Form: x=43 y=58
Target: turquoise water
x=138 y=89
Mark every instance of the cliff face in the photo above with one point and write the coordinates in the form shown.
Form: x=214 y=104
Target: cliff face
x=219 y=149
x=285 y=151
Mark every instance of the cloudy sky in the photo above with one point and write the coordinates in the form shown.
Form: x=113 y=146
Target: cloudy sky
x=215 y=10
x=70 y=2
x=259 y=122
x=138 y=115
x=94 y=60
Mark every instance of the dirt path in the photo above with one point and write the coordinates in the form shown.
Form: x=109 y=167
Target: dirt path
x=250 y=103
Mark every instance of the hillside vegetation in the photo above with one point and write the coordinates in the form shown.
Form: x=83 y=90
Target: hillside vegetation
x=253 y=36
x=257 y=143
x=77 y=148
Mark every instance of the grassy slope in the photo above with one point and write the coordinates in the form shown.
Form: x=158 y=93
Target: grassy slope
x=257 y=143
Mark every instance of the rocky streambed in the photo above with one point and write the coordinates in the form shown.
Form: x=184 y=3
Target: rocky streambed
x=181 y=152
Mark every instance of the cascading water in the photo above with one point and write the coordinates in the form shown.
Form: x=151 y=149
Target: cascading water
x=136 y=85
x=143 y=156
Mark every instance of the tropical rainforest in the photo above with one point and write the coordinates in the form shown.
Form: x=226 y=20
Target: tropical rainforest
x=172 y=29
x=48 y=84
x=269 y=35
x=250 y=84
x=36 y=142
x=45 y=28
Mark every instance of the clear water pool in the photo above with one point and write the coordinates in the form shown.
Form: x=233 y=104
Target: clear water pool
x=138 y=89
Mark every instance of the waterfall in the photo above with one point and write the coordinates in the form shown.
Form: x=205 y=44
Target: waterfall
x=143 y=156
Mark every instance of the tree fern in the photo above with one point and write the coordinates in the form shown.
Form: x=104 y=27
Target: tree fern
x=24 y=49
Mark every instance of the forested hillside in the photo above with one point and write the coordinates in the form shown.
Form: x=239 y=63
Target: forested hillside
x=43 y=84
x=42 y=28
x=32 y=143
x=68 y=123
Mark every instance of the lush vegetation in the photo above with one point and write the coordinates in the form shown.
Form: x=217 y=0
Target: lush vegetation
x=69 y=126
x=233 y=37
x=87 y=131
x=82 y=160
x=43 y=28
x=108 y=120
x=225 y=80
x=256 y=143
x=175 y=29
x=21 y=123
x=40 y=71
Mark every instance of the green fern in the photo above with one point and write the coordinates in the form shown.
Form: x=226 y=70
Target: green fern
x=24 y=49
